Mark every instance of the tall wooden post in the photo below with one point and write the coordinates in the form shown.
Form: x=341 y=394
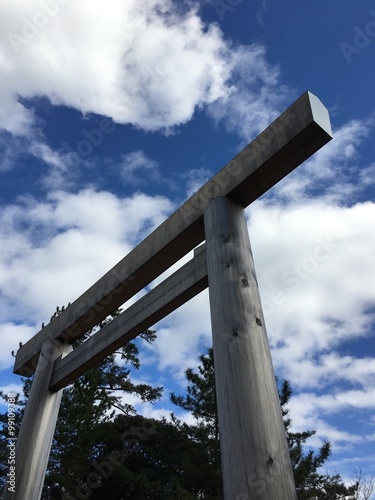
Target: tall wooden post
x=254 y=450
x=38 y=426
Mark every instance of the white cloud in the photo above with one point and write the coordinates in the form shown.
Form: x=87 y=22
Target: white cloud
x=10 y=388
x=313 y=410
x=10 y=336
x=8 y=152
x=181 y=337
x=331 y=170
x=56 y=249
x=257 y=97
x=59 y=173
x=123 y=60
x=47 y=155
x=261 y=12
x=312 y=265
x=196 y=178
x=137 y=169
x=144 y=63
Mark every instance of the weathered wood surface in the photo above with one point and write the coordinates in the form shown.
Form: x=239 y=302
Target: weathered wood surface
x=174 y=291
x=292 y=138
x=38 y=426
x=254 y=452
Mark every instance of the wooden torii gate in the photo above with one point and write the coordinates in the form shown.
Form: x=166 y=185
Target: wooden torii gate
x=254 y=451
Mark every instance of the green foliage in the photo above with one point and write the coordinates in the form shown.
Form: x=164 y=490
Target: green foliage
x=201 y=402
x=103 y=449
x=153 y=460
x=87 y=404
x=311 y=483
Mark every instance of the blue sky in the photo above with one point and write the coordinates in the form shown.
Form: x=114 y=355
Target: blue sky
x=113 y=113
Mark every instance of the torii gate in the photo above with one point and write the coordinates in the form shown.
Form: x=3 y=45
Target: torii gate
x=254 y=452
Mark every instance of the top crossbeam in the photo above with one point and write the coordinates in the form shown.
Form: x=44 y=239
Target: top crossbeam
x=292 y=138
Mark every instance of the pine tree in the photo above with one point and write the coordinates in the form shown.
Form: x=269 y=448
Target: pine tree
x=90 y=401
x=200 y=400
x=102 y=449
x=310 y=483
x=154 y=461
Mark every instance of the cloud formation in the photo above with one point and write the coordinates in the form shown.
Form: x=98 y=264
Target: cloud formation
x=124 y=60
x=257 y=97
x=145 y=63
x=70 y=240
x=137 y=169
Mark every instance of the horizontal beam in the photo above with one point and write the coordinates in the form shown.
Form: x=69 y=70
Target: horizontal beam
x=292 y=138
x=174 y=291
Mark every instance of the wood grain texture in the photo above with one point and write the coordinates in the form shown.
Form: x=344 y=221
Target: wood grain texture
x=254 y=452
x=38 y=426
x=292 y=138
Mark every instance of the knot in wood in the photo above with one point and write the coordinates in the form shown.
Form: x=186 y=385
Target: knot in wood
x=245 y=281
x=258 y=321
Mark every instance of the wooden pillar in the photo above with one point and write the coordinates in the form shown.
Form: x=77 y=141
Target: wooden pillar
x=38 y=426
x=254 y=451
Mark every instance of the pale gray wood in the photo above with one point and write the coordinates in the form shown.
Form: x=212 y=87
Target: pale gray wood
x=199 y=249
x=174 y=291
x=38 y=426
x=298 y=133
x=254 y=452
